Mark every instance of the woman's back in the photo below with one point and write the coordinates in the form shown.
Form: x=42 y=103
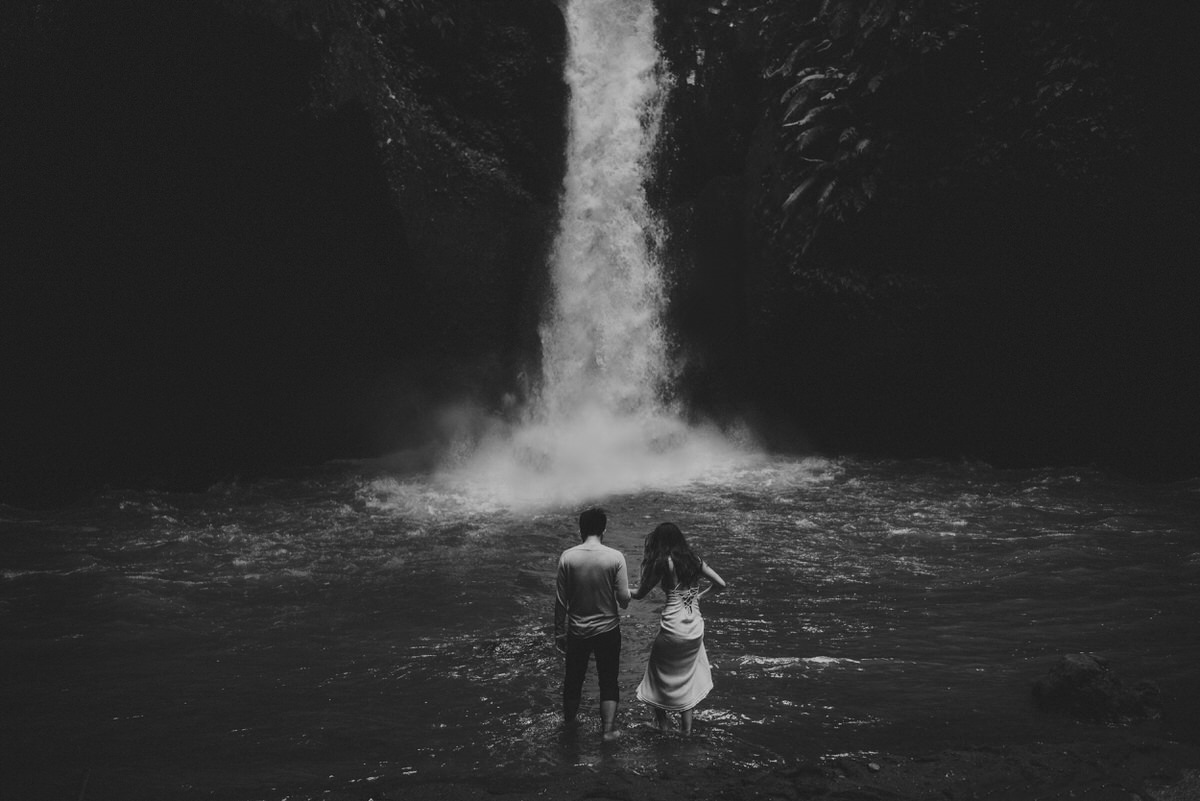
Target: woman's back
x=681 y=612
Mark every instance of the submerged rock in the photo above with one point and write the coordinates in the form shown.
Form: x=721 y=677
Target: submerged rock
x=1084 y=686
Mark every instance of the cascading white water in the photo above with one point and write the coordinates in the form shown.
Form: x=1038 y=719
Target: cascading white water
x=603 y=346
x=600 y=422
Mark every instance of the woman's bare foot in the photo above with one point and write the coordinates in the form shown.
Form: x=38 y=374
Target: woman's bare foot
x=611 y=734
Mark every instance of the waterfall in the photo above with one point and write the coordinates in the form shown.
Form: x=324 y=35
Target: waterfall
x=603 y=345
x=601 y=422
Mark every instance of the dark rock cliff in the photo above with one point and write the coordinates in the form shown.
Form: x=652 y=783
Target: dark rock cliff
x=240 y=234
x=998 y=267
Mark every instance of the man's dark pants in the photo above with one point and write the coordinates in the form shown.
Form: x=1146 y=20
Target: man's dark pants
x=607 y=648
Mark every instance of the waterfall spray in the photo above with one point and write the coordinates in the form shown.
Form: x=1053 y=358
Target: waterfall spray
x=601 y=422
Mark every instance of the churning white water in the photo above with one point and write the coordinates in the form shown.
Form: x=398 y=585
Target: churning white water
x=603 y=345
x=602 y=420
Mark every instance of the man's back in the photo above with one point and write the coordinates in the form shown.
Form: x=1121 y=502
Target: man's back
x=591 y=579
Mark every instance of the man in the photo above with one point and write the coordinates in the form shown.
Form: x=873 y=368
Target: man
x=592 y=583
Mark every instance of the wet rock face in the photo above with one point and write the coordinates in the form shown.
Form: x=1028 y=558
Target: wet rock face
x=1084 y=686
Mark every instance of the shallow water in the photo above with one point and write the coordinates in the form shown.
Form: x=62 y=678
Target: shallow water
x=291 y=637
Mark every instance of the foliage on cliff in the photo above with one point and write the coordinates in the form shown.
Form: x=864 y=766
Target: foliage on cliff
x=960 y=224
x=450 y=85
x=881 y=103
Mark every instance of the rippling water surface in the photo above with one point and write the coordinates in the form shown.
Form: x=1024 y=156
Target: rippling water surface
x=353 y=627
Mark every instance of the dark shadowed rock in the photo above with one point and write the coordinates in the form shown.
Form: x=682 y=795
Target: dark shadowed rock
x=229 y=247
x=1084 y=686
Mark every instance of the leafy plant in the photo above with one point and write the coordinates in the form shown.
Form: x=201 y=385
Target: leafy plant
x=880 y=103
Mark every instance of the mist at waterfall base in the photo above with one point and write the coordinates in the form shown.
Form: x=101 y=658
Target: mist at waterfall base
x=590 y=455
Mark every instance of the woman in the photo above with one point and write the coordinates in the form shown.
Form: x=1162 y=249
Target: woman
x=677 y=676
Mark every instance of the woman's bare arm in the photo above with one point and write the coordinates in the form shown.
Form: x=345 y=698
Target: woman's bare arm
x=644 y=590
x=716 y=583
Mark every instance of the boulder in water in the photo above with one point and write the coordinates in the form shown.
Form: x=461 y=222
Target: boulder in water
x=1083 y=685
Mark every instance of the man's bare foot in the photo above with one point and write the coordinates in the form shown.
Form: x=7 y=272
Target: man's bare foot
x=611 y=735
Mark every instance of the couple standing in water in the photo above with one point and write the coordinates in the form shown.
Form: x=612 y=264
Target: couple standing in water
x=592 y=588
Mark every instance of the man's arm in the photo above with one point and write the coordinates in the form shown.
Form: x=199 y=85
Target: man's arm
x=560 y=607
x=622 y=585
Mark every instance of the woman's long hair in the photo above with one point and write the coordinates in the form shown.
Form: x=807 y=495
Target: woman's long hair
x=667 y=540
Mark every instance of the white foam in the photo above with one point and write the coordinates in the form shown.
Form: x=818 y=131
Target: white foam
x=594 y=454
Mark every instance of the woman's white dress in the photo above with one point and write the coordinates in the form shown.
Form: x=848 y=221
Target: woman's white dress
x=678 y=675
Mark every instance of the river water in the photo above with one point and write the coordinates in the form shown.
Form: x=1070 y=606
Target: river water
x=353 y=625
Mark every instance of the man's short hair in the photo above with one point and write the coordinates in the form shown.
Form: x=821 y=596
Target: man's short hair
x=592 y=523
